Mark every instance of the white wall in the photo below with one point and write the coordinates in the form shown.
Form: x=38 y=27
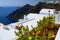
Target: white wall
x=46 y=11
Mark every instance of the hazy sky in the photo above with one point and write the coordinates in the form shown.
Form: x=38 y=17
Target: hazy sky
x=17 y=2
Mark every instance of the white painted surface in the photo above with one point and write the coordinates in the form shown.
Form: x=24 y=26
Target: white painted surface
x=58 y=35
x=32 y=20
x=9 y=34
x=6 y=34
x=46 y=11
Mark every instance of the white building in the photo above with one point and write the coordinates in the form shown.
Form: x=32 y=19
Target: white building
x=53 y=2
x=50 y=2
x=46 y=11
x=52 y=12
x=6 y=34
x=58 y=35
x=31 y=20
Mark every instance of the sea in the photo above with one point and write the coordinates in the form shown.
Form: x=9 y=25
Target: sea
x=4 y=12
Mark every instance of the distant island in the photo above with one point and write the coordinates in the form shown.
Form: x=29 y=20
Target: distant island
x=26 y=9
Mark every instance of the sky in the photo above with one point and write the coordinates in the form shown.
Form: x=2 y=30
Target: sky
x=4 y=3
x=17 y=2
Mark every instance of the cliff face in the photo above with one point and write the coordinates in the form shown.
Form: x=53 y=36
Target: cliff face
x=26 y=9
x=20 y=12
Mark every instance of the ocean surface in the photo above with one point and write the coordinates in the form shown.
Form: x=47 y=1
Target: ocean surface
x=4 y=12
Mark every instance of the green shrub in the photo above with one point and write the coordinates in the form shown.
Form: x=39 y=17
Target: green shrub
x=43 y=31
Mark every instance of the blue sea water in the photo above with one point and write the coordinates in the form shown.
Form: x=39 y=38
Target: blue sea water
x=4 y=12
